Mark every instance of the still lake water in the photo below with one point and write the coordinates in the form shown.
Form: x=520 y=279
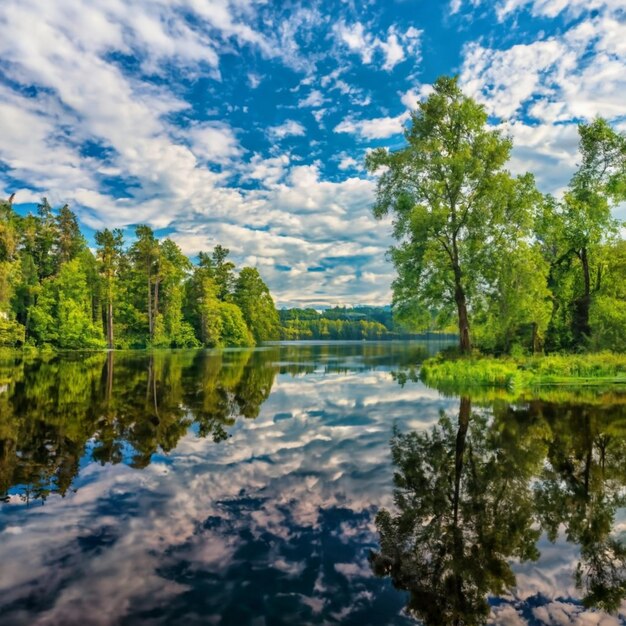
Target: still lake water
x=242 y=488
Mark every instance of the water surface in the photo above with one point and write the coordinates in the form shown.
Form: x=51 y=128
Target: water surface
x=243 y=487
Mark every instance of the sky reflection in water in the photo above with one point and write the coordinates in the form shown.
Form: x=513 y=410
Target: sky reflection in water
x=242 y=488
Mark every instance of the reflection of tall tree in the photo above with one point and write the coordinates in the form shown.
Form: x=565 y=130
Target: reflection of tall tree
x=582 y=486
x=462 y=510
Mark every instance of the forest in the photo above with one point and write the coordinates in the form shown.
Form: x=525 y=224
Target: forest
x=55 y=292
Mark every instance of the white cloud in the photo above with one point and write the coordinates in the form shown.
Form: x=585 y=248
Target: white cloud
x=214 y=142
x=505 y=79
x=376 y=128
x=411 y=97
x=314 y=99
x=540 y=8
x=289 y=128
x=541 y=90
x=394 y=47
x=348 y=162
x=254 y=80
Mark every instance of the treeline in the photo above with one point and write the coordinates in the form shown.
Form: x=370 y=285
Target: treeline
x=513 y=268
x=337 y=323
x=54 y=291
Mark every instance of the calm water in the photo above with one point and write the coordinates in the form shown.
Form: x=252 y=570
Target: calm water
x=245 y=488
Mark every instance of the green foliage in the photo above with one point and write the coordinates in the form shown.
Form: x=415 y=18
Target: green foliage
x=253 y=297
x=608 y=309
x=576 y=231
x=234 y=331
x=455 y=206
x=12 y=333
x=73 y=306
x=523 y=271
x=517 y=307
x=362 y=322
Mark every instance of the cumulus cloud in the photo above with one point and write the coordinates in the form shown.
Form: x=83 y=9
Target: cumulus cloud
x=541 y=90
x=314 y=99
x=214 y=142
x=394 y=47
x=376 y=128
x=289 y=128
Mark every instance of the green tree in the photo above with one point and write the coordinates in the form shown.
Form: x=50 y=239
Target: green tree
x=69 y=240
x=449 y=192
x=223 y=272
x=518 y=305
x=234 y=331
x=585 y=219
x=45 y=236
x=608 y=309
x=110 y=250
x=253 y=297
x=145 y=254
x=174 y=267
x=76 y=327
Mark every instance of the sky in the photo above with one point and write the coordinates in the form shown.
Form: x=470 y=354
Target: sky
x=246 y=122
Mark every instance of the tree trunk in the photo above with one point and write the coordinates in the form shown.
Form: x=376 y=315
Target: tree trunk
x=581 y=328
x=465 y=343
x=535 y=339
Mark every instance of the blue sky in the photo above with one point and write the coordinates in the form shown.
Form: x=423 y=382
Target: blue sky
x=246 y=122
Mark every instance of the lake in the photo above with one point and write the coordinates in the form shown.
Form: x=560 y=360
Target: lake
x=303 y=484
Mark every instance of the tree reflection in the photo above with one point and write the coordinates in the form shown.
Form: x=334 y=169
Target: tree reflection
x=475 y=493
x=462 y=511
x=581 y=487
x=117 y=408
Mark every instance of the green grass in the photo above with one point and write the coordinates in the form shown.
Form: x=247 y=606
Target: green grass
x=514 y=374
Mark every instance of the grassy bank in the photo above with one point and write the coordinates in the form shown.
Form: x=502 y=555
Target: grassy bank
x=458 y=373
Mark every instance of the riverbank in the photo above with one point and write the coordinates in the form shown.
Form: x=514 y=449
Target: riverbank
x=458 y=373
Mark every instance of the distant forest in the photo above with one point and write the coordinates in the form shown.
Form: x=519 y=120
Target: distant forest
x=359 y=322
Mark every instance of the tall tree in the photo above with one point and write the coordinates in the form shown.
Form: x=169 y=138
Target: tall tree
x=224 y=272
x=448 y=190
x=608 y=310
x=145 y=253
x=69 y=238
x=174 y=267
x=45 y=235
x=586 y=219
x=110 y=250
